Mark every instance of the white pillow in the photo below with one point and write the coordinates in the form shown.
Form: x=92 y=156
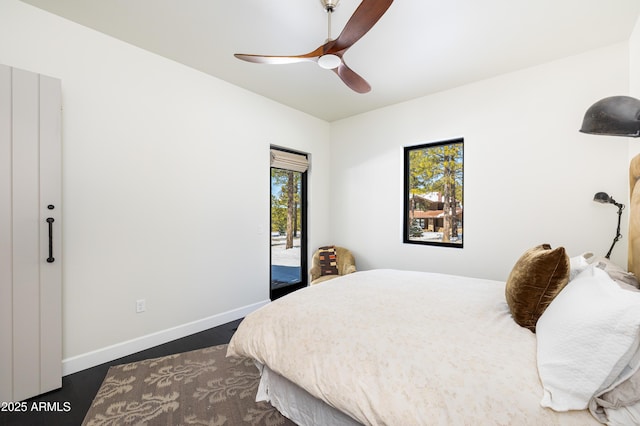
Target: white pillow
x=617 y=273
x=586 y=338
x=578 y=264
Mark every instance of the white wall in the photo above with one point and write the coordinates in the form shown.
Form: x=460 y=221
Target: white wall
x=529 y=175
x=634 y=79
x=165 y=185
x=634 y=61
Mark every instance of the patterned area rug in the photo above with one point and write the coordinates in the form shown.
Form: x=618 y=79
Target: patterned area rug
x=200 y=387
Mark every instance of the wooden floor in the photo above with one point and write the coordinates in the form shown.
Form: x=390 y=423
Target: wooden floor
x=79 y=389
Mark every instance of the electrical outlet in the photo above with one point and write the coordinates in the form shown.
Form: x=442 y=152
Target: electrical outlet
x=141 y=305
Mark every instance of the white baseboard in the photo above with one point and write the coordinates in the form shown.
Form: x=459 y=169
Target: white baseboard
x=91 y=359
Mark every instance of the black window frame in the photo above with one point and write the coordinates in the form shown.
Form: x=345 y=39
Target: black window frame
x=304 y=276
x=407 y=201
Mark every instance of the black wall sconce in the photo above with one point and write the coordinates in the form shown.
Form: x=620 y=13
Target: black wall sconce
x=614 y=116
x=603 y=197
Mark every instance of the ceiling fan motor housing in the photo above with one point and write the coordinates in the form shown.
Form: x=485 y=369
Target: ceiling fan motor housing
x=329 y=5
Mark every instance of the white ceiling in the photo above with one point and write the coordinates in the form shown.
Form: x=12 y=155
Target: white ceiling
x=417 y=48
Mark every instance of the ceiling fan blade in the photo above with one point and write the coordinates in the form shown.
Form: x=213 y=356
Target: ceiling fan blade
x=362 y=20
x=275 y=60
x=351 y=79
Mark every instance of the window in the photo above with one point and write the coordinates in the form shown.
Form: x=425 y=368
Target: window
x=433 y=193
x=288 y=222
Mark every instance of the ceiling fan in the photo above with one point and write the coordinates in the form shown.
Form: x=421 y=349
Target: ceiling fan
x=329 y=55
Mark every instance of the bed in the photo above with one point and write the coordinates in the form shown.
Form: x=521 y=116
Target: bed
x=392 y=347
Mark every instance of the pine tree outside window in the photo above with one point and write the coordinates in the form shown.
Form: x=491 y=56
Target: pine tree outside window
x=433 y=193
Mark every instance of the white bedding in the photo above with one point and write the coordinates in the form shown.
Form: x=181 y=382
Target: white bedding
x=394 y=347
x=297 y=404
x=589 y=349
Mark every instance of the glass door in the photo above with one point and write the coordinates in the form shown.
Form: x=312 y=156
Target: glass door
x=288 y=239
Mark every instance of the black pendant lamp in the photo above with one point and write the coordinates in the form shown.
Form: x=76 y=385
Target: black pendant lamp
x=614 y=116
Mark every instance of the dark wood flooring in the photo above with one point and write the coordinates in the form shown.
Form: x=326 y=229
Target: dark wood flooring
x=79 y=389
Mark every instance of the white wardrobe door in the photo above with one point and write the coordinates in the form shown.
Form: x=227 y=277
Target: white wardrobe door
x=50 y=208
x=6 y=260
x=30 y=290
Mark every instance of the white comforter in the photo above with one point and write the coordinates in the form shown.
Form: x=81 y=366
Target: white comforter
x=394 y=347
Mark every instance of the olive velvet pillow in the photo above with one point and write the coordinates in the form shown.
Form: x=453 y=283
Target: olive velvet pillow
x=535 y=280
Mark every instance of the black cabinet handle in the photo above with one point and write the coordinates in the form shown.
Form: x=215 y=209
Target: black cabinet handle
x=50 y=221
